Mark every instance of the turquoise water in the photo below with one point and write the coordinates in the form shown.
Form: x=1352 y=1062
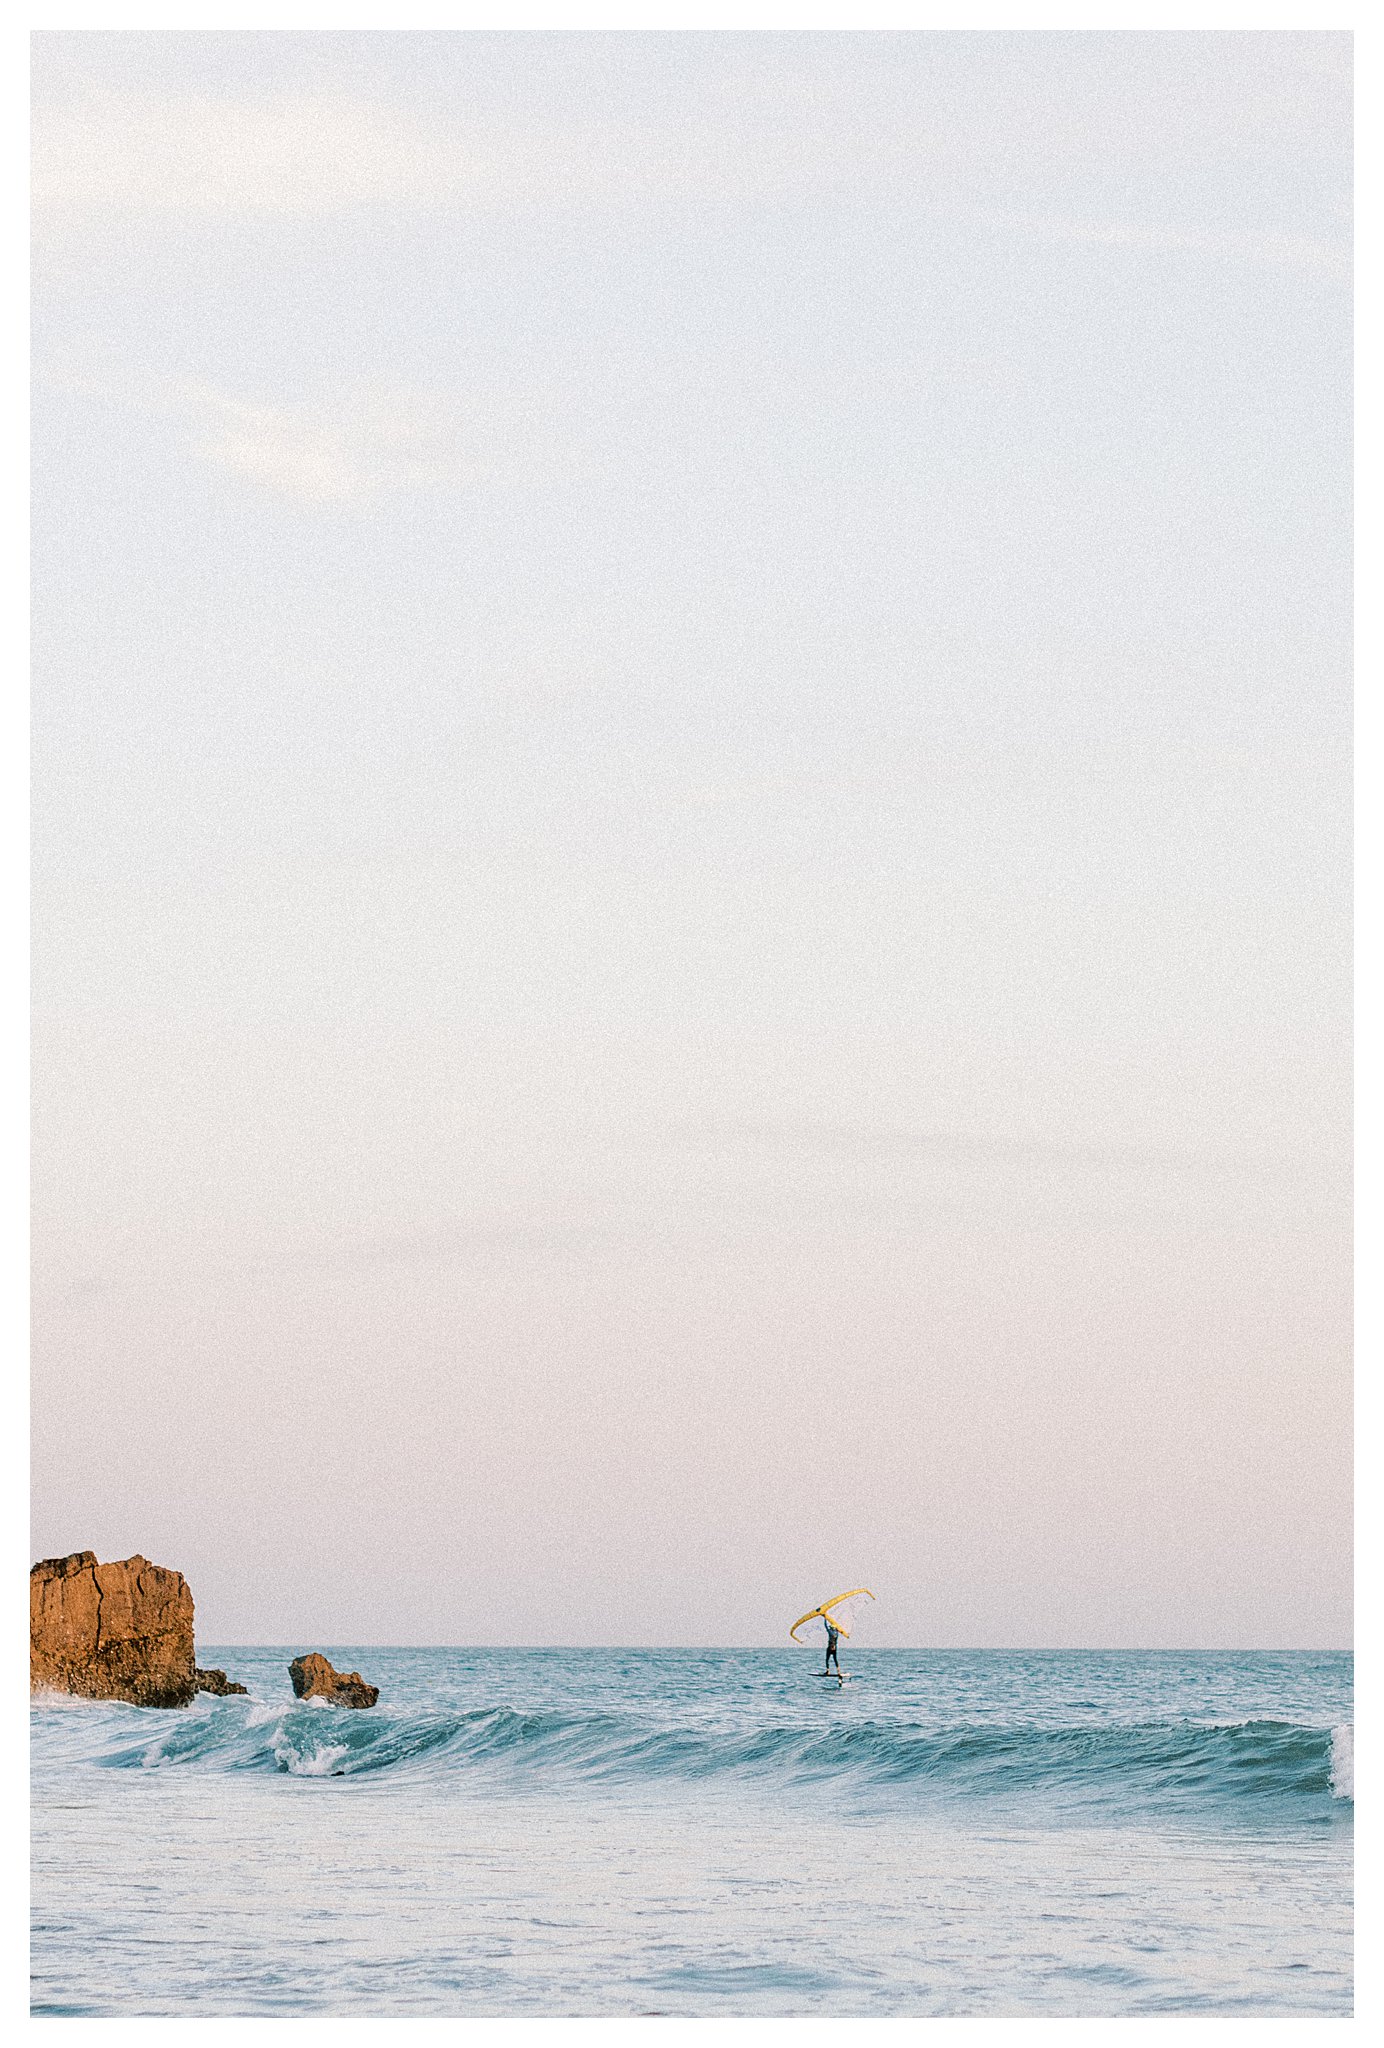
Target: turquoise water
x=706 y=1832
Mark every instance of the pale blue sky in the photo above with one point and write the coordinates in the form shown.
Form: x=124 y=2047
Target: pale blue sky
x=692 y=830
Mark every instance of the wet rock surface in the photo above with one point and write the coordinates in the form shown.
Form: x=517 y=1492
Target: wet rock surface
x=217 y=1682
x=119 y=1631
x=314 y=1678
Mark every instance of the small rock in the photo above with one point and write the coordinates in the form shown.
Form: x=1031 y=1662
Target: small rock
x=217 y=1682
x=313 y=1677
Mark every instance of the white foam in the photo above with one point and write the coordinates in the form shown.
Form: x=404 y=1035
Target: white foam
x=1343 y=1762
x=320 y=1763
x=71 y=1702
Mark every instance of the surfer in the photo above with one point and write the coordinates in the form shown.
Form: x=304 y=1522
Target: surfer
x=835 y=1629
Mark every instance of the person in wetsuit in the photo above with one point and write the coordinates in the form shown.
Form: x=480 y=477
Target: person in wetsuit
x=833 y=1637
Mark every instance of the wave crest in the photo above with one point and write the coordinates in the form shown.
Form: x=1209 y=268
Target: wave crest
x=1159 y=1763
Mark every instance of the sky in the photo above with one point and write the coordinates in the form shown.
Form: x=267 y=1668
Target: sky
x=692 y=832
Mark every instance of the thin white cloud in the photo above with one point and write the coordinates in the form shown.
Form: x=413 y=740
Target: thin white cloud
x=303 y=156
x=345 y=447
x=1266 y=247
x=286 y=155
x=867 y=1142
x=341 y=452
x=117 y=155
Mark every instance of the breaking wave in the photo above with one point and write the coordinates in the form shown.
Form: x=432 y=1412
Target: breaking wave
x=1343 y=1763
x=1258 y=1764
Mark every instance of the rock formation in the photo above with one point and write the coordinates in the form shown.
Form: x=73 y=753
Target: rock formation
x=118 y=1631
x=217 y=1682
x=313 y=1677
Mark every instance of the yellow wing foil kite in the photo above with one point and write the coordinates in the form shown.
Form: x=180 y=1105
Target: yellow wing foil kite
x=819 y=1613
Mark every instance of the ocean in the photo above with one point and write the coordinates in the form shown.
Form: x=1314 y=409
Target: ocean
x=708 y=1832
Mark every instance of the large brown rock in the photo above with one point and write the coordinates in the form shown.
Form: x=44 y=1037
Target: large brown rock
x=313 y=1676
x=118 y=1631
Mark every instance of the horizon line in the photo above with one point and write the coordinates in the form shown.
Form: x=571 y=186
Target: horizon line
x=949 y=1649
